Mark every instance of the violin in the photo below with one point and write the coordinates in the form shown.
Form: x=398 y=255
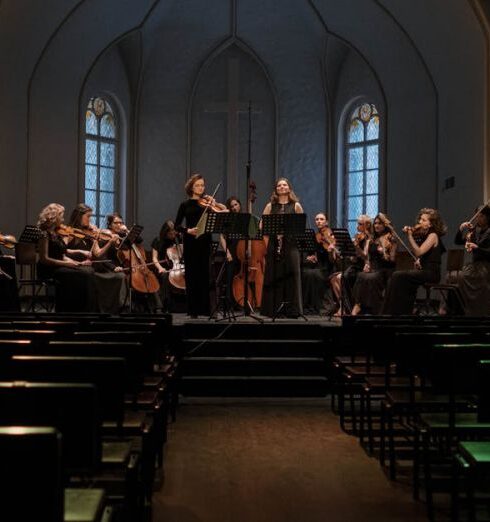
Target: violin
x=68 y=231
x=8 y=241
x=419 y=233
x=208 y=202
x=326 y=239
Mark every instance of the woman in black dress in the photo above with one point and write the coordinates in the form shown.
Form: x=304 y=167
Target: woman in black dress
x=75 y=281
x=197 y=250
x=371 y=283
x=229 y=245
x=9 y=293
x=474 y=279
x=426 y=244
x=317 y=268
x=162 y=262
x=110 y=282
x=282 y=278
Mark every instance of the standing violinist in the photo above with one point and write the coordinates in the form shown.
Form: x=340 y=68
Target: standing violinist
x=197 y=250
x=474 y=279
x=166 y=239
x=110 y=282
x=371 y=283
x=317 y=267
x=282 y=278
x=75 y=290
x=426 y=245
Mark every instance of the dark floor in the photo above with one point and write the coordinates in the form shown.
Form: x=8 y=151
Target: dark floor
x=265 y=461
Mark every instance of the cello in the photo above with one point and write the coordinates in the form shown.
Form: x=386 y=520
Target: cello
x=176 y=276
x=142 y=279
x=250 y=278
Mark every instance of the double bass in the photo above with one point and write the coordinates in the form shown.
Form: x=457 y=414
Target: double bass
x=250 y=278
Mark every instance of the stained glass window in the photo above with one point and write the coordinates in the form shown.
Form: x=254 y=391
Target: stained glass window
x=100 y=159
x=361 y=186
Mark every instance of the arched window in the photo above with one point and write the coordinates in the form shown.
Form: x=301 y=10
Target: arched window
x=361 y=182
x=100 y=159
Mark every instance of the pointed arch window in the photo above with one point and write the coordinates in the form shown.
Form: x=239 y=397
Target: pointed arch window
x=361 y=182
x=100 y=159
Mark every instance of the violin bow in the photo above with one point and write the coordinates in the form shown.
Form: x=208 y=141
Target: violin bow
x=409 y=250
x=201 y=224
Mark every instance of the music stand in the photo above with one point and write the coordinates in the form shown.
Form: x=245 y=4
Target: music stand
x=288 y=225
x=346 y=248
x=306 y=242
x=130 y=239
x=31 y=234
x=233 y=226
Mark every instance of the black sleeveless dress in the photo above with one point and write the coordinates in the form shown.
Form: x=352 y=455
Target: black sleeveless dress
x=282 y=278
x=402 y=289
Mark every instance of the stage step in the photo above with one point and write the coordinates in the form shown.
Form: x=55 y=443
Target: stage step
x=253 y=360
x=254 y=366
x=253 y=386
x=254 y=347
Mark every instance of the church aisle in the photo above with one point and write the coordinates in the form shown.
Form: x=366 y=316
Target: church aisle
x=267 y=461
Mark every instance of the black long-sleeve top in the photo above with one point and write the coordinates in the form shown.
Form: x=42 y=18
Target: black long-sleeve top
x=481 y=237
x=191 y=211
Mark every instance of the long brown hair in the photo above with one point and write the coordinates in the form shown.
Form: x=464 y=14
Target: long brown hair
x=76 y=216
x=292 y=196
x=437 y=224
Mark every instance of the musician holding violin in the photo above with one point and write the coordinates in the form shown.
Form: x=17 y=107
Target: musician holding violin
x=233 y=204
x=197 y=247
x=346 y=280
x=380 y=251
x=317 y=268
x=110 y=281
x=75 y=290
x=427 y=248
x=474 y=279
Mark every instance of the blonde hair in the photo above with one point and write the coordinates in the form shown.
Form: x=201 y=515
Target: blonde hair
x=367 y=221
x=50 y=216
x=292 y=196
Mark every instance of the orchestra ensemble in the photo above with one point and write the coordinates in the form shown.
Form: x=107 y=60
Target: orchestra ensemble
x=108 y=270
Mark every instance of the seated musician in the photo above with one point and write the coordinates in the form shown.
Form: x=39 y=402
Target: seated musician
x=426 y=245
x=9 y=294
x=122 y=255
x=317 y=269
x=229 y=245
x=162 y=262
x=75 y=290
x=110 y=282
x=474 y=279
x=342 y=283
x=380 y=251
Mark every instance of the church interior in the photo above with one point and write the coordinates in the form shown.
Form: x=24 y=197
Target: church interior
x=245 y=260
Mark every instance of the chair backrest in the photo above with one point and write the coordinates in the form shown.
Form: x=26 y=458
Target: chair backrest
x=72 y=408
x=107 y=374
x=31 y=475
x=455 y=259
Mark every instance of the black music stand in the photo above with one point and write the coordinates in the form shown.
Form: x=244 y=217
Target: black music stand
x=31 y=234
x=131 y=237
x=346 y=249
x=289 y=225
x=306 y=242
x=233 y=226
